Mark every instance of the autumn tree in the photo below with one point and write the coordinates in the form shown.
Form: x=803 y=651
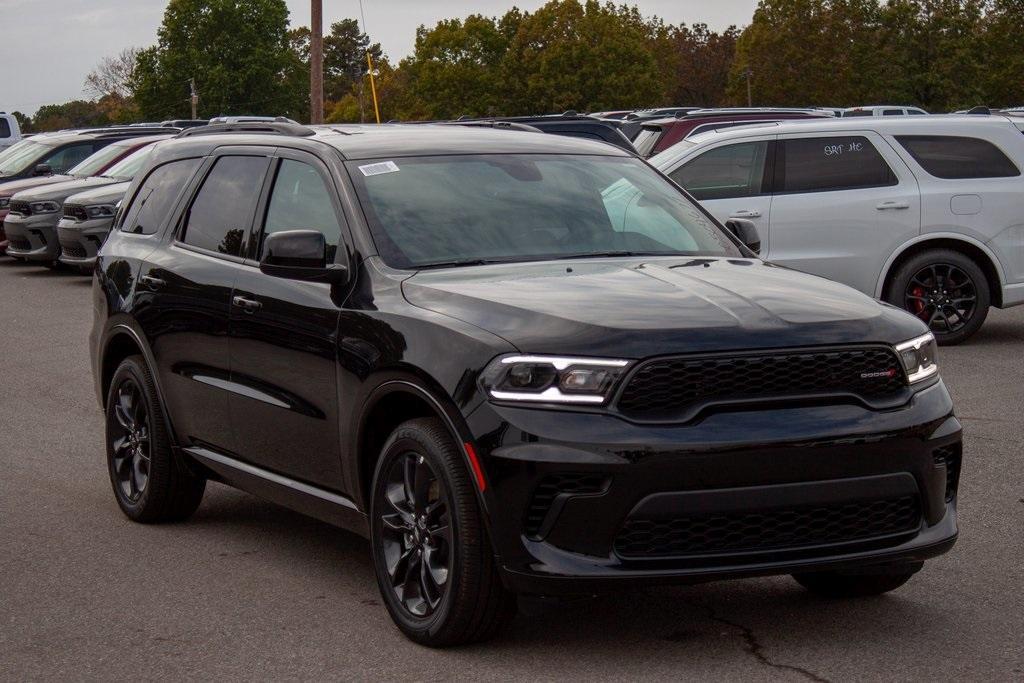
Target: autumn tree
x=114 y=75
x=1004 y=53
x=700 y=63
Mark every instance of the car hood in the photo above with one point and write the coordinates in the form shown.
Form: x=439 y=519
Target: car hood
x=106 y=194
x=61 y=191
x=641 y=307
x=13 y=187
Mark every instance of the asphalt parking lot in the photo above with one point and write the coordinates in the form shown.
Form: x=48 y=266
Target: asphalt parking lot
x=249 y=590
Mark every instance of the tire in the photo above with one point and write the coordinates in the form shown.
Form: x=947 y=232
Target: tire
x=457 y=596
x=912 y=291
x=842 y=585
x=150 y=482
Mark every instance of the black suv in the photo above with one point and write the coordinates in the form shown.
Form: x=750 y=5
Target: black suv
x=518 y=363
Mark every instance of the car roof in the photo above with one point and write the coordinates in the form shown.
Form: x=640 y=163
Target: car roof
x=381 y=141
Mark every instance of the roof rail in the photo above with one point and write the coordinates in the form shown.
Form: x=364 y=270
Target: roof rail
x=500 y=125
x=133 y=130
x=279 y=127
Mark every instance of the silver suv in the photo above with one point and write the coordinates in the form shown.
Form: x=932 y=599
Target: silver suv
x=925 y=212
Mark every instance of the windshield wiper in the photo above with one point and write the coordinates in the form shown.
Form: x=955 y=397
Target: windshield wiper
x=603 y=254
x=465 y=262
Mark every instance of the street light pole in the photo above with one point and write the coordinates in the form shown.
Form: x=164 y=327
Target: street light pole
x=316 y=62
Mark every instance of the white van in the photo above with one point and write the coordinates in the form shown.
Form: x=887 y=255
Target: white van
x=9 y=130
x=924 y=212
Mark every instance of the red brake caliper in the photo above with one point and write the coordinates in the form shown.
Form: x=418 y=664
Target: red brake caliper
x=918 y=304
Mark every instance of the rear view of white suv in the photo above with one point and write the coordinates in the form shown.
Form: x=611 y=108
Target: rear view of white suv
x=926 y=213
x=10 y=133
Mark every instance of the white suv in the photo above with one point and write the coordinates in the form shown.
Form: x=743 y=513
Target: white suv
x=10 y=133
x=926 y=213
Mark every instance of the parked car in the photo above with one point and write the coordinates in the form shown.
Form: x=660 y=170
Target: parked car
x=657 y=136
x=611 y=114
x=10 y=131
x=97 y=164
x=517 y=363
x=569 y=124
x=659 y=113
x=31 y=224
x=56 y=153
x=923 y=212
x=884 y=110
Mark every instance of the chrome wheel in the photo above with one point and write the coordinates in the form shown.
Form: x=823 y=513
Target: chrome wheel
x=416 y=534
x=129 y=431
x=943 y=296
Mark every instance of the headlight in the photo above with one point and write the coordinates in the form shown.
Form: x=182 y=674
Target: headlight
x=5 y=202
x=552 y=379
x=44 y=207
x=99 y=211
x=919 y=357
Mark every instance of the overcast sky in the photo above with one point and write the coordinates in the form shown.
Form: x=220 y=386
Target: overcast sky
x=48 y=46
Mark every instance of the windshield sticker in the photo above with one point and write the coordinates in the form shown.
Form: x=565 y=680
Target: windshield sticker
x=379 y=168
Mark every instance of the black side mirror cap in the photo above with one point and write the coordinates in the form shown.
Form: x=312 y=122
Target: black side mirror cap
x=42 y=169
x=300 y=255
x=746 y=232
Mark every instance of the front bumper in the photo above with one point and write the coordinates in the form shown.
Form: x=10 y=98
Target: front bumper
x=582 y=502
x=80 y=241
x=33 y=238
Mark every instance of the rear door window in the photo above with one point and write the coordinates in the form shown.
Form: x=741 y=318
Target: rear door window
x=954 y=158
x=725 y=172
x=221 y=213
x=825 y=164
x=156 y=196
x=892 y=112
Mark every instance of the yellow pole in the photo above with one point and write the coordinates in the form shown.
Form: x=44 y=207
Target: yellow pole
x=373 y=87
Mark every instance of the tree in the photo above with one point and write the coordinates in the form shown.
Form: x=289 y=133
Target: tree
x=24 y=122
x=1004 y=53
x=74 y=114
x=114 y=75
x=237 y=52
x=345 y=49
x=701 y=60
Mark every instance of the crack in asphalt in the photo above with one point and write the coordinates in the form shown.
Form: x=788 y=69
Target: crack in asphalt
x=754 y=647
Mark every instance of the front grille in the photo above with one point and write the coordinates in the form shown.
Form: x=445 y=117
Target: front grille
x=21 y=244
x=75 y=212
x=21 y=208
x=671 y=387
x=72 y=249
x=550 y=487
x=779 y=529
x=950 y=458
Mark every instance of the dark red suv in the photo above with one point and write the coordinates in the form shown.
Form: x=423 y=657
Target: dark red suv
x=660 y=134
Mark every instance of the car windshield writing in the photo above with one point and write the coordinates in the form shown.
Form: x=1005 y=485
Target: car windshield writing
x=460 y=209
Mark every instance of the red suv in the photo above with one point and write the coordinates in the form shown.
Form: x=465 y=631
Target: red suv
x=660 y=134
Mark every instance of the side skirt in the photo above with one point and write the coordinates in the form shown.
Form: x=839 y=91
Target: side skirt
x=309 y=500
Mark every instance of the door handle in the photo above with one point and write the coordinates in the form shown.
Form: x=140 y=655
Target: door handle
x=247 y=305
x=892 y=205
x=152 y=282
x=745 y=213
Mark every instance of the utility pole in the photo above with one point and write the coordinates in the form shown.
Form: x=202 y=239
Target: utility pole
x=748 y=73
x=194 y=98
x=316 y=62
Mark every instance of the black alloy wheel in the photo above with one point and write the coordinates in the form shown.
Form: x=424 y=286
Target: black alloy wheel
x=416 y=534
x=130 y=439
x=945 y=289
x=943 y=296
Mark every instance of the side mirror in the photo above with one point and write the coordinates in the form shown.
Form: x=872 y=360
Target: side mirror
x=42 y=169
x=746 y=232
x=300 y=255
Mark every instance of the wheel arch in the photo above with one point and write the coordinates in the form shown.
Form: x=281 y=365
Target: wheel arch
x=968 y=246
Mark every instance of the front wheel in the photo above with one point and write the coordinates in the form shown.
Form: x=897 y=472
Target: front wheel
x=945 y=289
x=434 y=564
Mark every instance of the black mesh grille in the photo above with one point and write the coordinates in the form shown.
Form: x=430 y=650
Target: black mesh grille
x=669 y=387
x=768 y=530
x=72 y=249
x=20 y=207
x=75 y=212
x=552 y=485
x=950 y=456
x=21 y=243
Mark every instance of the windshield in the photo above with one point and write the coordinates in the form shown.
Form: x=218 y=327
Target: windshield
x=644 y=142
x=461 y=210
x=95 y=162
x=18 y=157
x=130 y=165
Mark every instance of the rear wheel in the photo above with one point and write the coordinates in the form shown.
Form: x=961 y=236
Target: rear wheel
x=434 y=564
x=845 y=585
x=150 y=482
x=945 y=289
